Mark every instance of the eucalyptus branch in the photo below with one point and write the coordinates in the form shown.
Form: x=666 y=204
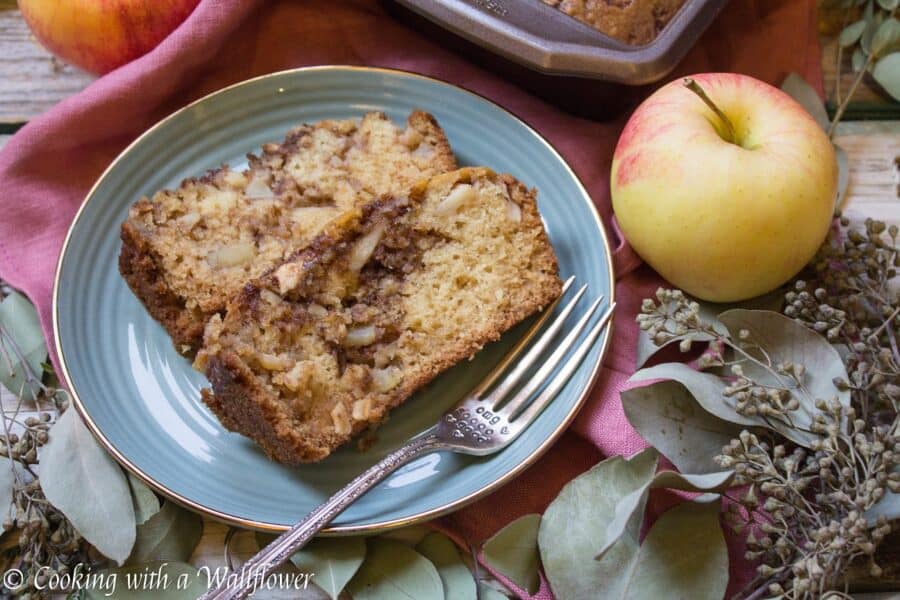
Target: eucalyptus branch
x=842 y=107
x=806 y=506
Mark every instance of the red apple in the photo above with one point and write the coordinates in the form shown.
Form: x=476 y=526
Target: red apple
x=100 y=35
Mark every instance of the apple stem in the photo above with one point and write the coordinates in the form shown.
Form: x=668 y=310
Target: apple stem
x=729 y=128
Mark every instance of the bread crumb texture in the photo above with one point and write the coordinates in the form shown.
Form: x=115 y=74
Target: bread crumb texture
x=635 y=22
x=388 y=296
x=186 y=251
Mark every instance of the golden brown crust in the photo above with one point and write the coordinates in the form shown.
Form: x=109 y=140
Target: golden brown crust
x=428 y=126
x=171 y=242
x=140 y=268
x=248 y=400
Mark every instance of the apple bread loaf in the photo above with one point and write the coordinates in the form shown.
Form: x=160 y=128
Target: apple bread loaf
x=386 y=298
x=186 y=251
x=635 y=22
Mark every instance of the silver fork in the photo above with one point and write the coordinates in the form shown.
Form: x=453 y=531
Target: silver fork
x=481 y=423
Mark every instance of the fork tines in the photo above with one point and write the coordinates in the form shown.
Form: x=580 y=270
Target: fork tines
x=543 y=384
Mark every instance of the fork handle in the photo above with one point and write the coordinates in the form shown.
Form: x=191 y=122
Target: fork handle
x=266 y=560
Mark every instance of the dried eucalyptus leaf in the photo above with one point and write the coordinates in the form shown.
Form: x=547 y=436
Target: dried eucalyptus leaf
x=410 y=536
x=23 y=338
x=887 y=38
x=81 y=480
x=7 y=480
x=872 y=24
x=575 y=527
x=888 y=507
x=646 y=347
x=684 y=551
x=858 y=60
x=394 y=570
x=146 y=503
x=333 y=561
x=706 y=388
x=287 y=582
x=785 y=340
x=669 y=418
x=456 y=578
x=513 y=551
x=797 y=88
x=486 y=592
x=843 y=162
x=178 y=581
x=171 y=534
x=664 y=479
x=688 y=482
x=887 y=74
x=851 y=33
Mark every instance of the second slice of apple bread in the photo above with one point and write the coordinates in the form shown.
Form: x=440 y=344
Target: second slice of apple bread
x=388 y=297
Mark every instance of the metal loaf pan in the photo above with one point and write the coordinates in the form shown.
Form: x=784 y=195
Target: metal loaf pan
x=544 y=39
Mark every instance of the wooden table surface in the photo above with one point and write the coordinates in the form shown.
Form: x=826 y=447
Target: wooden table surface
x=33 y=81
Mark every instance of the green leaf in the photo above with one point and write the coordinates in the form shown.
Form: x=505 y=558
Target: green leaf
x=629 y=504
x=333 y=561
x=146 y=503
x=668 y=417
x=684 y=551
x=851 y=33
x=888 y=5
x=485 y=592
x=887 y=74
x=171 y=534
x=392 y=570
x=81 y=480
x=873 y=22
x=887 y=38
x=170 y=581
x=23 y=340
x=888 y=507
x=7 y=481
x=646 y=347
x=797 y=88
x=843 y=162
x=858 y=60
x=574 y=527
x=706 y=388
x=513 y=551
x=410 y=535
x=784 y=340
x=456 y=578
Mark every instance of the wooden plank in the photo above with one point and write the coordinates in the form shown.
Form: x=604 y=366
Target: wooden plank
x=33 y=79
x=874 y=177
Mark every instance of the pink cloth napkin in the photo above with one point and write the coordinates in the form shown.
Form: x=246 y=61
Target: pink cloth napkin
x=46 y=169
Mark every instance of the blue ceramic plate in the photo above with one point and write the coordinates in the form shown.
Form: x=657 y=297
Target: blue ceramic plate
x=142 y=400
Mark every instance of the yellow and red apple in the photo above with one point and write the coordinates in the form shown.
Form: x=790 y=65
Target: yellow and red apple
x=100 y=35
x=725 y=206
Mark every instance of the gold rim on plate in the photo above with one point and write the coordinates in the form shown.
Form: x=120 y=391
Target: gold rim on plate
x=346 y=529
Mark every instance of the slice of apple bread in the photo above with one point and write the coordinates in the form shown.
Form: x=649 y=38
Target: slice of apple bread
x=385 y=299
x=186 y=251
